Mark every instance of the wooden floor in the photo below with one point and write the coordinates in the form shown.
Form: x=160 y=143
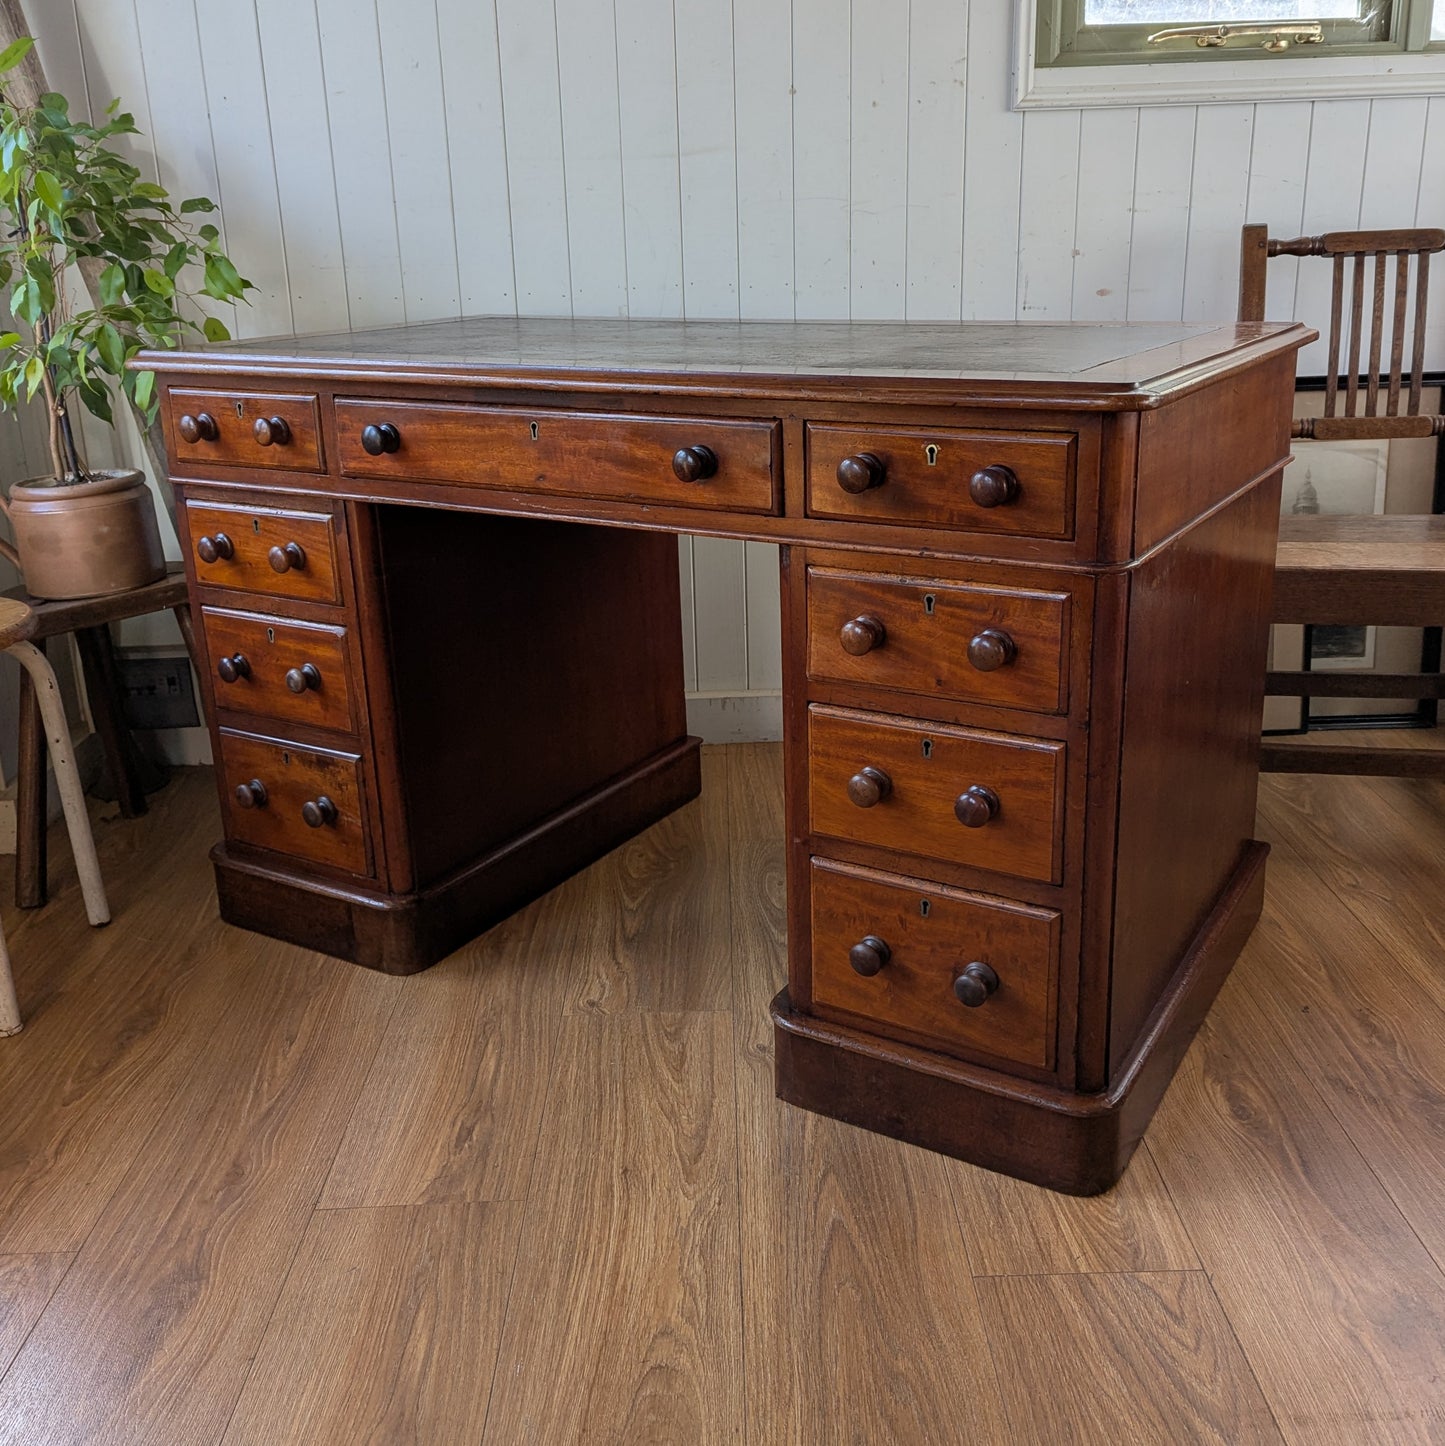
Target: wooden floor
x=543 y=1193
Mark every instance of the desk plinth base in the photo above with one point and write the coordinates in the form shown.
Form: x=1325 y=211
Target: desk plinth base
x=1077 y=1144
x=405 y=933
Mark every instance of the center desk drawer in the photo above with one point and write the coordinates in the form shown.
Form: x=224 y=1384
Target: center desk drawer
x=293 y=670
x=976 y=481
x=300 y=801
x=891 y=951
x=1007 y=646
x=985 y=800
x=706 y=462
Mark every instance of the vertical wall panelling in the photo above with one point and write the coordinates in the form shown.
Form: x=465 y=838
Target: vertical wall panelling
x=937 y=98
x=878 y=182
x=822 y=146
x=57 y=37
x=361 y=150
x=765 y=662
x=647 y=64
x=991 y=169
x=1334 y=187
x=305 y=178
x=707 y=165
x=689 y=612
x=1108 y=142
x=719 y=586
x=1278 y=160
x=1048 y=200
x=477 y=157
x=1163 y=167
x=245 y=167
x=592 y=153
x=763 y=127
x=1430 y=211
x=532 y=115
x=420 y=160
x=1218 y=203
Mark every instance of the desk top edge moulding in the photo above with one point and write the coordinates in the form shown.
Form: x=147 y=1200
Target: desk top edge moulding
x=1026 y=574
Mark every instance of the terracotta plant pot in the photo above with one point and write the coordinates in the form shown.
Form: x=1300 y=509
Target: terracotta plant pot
x=85 y=539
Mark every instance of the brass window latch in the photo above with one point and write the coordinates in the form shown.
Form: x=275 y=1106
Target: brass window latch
x=1271 y=37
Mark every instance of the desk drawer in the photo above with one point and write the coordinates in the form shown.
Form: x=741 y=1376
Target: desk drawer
x=264 y=549
x=300 y=672
x=243 y=429
x=906 y=785
x=997 y=645
x=639 y=459
x=305 y=802
x=889 y=950
x=975 y=481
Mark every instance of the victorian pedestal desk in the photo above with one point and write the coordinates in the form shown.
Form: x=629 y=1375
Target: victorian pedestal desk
x=1026 y=577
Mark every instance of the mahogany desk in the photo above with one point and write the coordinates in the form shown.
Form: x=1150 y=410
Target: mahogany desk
x=1026 y=575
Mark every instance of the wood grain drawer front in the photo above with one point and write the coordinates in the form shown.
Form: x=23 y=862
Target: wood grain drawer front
x=901 y=784
x=262 y=549
x=1007 y=646
x=244 y=429
x=305 y=802
x=929 y=936
x=927 y=478
x=299 y=672
x=642 y=459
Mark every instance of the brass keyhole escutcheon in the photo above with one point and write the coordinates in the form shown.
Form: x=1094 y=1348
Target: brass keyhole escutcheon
x=534 y=431
x=270 y=635
x=931 y=452
x=255 y=524
x=930 y=601
x=924 y=905
x=928 y=748
x=240 y=409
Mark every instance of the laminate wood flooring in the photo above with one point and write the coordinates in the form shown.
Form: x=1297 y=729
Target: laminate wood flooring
x=543 y=1192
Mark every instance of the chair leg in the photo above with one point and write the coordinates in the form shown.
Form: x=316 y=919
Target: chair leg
x=102 y=687
x=30 y=839
x=9 y=1005
x=67 y=779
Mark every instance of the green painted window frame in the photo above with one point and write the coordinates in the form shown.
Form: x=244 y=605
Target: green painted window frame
x=1403 y=28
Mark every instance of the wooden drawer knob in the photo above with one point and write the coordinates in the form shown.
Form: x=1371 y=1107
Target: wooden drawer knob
x=234 y=668
x=200 y=428
x=283 y=559
x=976 y=806
x=252 y=794
x=860 y=472
x=318 y=812
x=306 y=678
x=869 y=786
x=694 y=464
x=869 y=955
x=380 y=437
x=219 y=548
x=271 y=431
x=862 y=635
x=990 y=649
x=974 y=985
x=993 y=486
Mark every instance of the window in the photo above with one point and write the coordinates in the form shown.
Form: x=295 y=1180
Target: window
x=1130 y=52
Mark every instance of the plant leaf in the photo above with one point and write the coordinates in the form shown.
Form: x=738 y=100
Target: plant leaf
x=159 y=282
x=214 y=328
x=9 y=339
x=34 y=376
x=197 y=203
x=49 y=190
x=15 y=52
x=111 y=349
x=112 y=284
x=144 y=389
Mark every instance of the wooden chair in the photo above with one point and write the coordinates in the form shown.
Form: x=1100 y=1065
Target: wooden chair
x=17 y=627
x=1359 y=571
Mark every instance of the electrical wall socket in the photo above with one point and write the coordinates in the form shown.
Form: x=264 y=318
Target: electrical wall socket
x=158 y=692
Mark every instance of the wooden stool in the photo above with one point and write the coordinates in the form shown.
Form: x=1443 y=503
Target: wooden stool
x=17 y=627
x=89 y=619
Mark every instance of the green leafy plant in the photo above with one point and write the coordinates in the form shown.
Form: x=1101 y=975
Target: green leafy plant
x=69 y=200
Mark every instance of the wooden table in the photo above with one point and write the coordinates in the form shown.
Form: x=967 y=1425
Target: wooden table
x=1026 y=575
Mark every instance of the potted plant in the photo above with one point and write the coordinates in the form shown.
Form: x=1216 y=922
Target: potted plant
x=70 y=201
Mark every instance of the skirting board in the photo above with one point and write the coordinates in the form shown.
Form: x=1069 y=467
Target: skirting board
x=736 y=717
